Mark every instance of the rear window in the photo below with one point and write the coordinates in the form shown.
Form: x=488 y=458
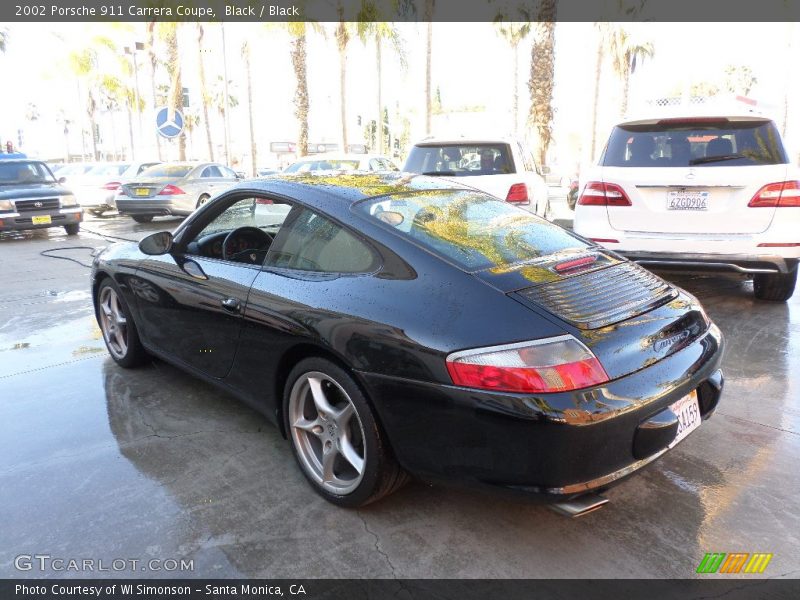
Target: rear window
x=688 y=143
x=174 y=171
x=471 y=229
x=460 y=160
x=331 y=164
x=109 y=170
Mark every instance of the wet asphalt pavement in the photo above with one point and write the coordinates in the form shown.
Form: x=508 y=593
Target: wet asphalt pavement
x=104 y=463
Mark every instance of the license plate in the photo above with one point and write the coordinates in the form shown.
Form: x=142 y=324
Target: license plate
x=141 y=192
x=42 y=220
x=687 y=200
x=687 y=410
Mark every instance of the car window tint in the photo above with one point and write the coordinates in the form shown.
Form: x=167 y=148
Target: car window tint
x=311 y=242
x=676 y=143
x=172 y=171
x=472 y=229
x=145 y=166
x=460 y=160
x=211 y=171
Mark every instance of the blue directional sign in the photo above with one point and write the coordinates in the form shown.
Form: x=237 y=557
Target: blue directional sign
x=169 y=125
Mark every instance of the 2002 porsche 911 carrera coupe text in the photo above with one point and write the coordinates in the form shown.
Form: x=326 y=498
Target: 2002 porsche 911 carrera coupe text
x=395 y=325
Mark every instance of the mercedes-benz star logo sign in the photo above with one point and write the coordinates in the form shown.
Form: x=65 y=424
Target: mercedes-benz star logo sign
x=169 y=123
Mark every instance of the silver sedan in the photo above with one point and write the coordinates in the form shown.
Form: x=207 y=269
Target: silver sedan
x=172 y=189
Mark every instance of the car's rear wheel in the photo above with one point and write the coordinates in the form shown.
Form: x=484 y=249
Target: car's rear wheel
x=777 y=287
x=142 y=218
x=72 y=228
x=336 y=440
x=202 y=200
x=117 y=326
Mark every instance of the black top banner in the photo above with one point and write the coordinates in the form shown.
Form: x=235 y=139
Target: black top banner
x=399 y=10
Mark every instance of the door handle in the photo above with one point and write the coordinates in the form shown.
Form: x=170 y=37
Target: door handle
x=232 y=305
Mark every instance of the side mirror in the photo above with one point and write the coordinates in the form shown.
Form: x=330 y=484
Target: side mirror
x=156 y=244
x=62 y=180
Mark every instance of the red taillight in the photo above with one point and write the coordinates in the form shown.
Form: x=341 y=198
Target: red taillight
x=112 y=186
x=171 y=190
x=779 y=245
x=678 y=122
x=569 y=265
x=599 y=193
x=777 y=195
x=264 y=201
x=557 y=364
x=605 y=240
x=518 y=194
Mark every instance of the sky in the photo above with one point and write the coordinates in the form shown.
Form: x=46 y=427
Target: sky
x=472 y=66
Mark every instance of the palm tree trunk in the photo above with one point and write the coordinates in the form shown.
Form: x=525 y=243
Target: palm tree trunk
x=343 y=93
x=542 y=77
x=132 y=154
x=249 y=78
x=204 y=90
x=597 y=71
x=379 y=121
x=515 y=108
x=300 y=93
x=428 y=107
x=176 y=91
x=153 y=61
x=626 y=84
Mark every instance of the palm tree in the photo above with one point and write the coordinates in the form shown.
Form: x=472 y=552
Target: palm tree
x=343 y=33
x=169 y=33
x=514 y=33
x=372 y=26
x=626 y=53
x=430 y=5
x=542 y=75
x=203 y=88
x=85 y=64
x=151 y=54
x=249 y=79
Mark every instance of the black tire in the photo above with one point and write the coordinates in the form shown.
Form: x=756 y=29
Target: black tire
x=776 y=287
x=142 y=218
x=72 y=228
x=135 y=355
x=382 y=475
x=202 y=200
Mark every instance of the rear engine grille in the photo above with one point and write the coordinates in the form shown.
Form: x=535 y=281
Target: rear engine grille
x=39 y=204
x=603 y=297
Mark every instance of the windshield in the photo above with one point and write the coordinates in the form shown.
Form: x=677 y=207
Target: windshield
x=472 y=229
x=171 y=171
x=328 y=164
x=24 y=173
x=460 y=160
x=697 y=142
x=108 y=170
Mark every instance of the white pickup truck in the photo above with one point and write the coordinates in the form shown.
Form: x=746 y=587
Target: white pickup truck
x=502 y=167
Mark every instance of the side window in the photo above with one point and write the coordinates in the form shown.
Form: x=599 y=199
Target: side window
x=262 y=217
x=230 y=173
x=311 y=242
x=375 y=164
x=210 y=171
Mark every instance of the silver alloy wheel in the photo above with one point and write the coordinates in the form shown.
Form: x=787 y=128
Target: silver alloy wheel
x=327 y=433
x=113 y=323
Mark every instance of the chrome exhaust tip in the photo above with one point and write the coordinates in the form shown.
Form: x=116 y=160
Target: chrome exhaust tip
x=582 y=505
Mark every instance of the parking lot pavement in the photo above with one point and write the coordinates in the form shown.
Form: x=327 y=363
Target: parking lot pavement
x=98 y=462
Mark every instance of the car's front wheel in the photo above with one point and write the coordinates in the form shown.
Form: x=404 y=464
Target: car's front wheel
x=142 y=218
x=336 y=440
x=777 y=287
x=72 y=228
x=117 y=326
x=202 y=200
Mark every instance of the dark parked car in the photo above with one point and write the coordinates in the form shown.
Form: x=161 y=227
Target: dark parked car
x=32 y=198
x=395 y=324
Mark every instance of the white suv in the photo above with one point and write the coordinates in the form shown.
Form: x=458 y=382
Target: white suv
x=502 y=167
x=713 y=192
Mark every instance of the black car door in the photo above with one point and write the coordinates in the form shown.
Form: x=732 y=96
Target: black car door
x=191 y=301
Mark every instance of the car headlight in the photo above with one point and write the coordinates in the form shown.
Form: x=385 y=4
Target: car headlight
x=68 y=201
x=6 y=205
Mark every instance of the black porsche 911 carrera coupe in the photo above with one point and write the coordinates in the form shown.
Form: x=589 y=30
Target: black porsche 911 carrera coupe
x=398 y=325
